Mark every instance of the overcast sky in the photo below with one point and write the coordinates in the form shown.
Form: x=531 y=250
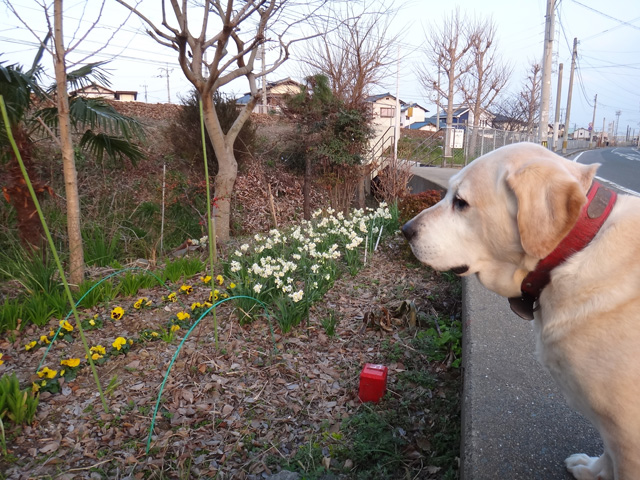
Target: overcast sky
x=608 y=50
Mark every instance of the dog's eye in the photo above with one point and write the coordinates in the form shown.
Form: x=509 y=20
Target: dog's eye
x=459 y=203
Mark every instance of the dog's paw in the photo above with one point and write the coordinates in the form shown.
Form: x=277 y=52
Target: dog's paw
x=584 y=467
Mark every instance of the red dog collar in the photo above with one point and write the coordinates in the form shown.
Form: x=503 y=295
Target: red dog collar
x=600 y=202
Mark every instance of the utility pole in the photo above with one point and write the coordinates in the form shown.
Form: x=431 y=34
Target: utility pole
x=565 y=137
x=396 y=134
x=264 y=80
x=556 y=122
x=593 y=121
x=547 y=58
x=615 y=136
x=145 y=92
x=166 y=74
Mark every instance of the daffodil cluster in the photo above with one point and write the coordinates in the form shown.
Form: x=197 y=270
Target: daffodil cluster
x=294 y=269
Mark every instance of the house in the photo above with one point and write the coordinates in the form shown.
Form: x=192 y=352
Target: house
x=411 y=113
x=504 y=122
x=581 y=134
x=382 y=108
x=463 y=116
x=277 y=92
x=98 y=91
x=429 y=125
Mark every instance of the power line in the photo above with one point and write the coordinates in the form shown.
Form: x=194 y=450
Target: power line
x=622 y=22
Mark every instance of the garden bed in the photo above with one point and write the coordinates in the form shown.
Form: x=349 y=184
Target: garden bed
x=263 y=401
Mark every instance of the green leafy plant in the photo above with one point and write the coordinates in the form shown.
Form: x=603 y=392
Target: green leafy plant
x=38 y=310
x=99 y=250
x=330 y=322
x=182 y=267
x=132 y=282
x=34 y=274
x=87 y=295
x=10 y=312
x=446 y=341
x=17 y=405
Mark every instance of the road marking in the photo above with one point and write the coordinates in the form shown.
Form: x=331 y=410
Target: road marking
x=613 y=184
x=619 y=187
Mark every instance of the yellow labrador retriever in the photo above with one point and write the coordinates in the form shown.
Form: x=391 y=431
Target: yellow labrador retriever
x=536 y=228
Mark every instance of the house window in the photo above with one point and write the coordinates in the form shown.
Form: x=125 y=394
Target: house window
x=386 y=112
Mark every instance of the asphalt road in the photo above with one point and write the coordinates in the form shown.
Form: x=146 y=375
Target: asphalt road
x=620 y=167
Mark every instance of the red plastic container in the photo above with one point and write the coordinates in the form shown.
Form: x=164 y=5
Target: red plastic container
x=373 y=383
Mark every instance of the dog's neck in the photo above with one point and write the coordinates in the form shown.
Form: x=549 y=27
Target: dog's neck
x=600 y=201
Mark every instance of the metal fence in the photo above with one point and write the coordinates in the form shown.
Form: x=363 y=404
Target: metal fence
x=468 y=143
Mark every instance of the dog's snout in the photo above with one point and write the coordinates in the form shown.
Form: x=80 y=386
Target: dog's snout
x=408 y=230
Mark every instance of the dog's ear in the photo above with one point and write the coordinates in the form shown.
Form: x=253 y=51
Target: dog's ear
x=550 y=198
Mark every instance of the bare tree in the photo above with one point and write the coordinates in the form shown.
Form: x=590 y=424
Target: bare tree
x=522 y=110
x=59 y=54
x=357 y=53
x=487 y=76
x=447 y=48
x=233 y=31
x=529 y=96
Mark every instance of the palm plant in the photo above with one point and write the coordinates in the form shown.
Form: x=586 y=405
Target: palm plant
x=32 y=111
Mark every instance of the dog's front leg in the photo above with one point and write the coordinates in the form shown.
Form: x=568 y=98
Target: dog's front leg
x=584 y=467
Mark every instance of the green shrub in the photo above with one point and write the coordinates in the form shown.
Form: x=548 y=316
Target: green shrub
x=88 y=294
x=130 y=283
x=411 y=205
x=38 y=310
x=17 y=405
x=182 y=267
x=33 y=273
x=185 y=137
x=99 y=250
x=10 y=312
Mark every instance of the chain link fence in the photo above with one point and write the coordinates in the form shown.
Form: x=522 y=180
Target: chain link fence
x=469 y=143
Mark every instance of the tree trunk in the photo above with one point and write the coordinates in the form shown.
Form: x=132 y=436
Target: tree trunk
x=28 y=222
x=76 y=255
x=227 y=169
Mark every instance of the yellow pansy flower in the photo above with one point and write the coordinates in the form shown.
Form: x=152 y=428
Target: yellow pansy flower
x=119 y=343
x=220 y=279
x=175 y=328
x=46 y=371
x=117 y=313
x=30 y=345
x=172 y=297
x=206 y=279
x=66 y=325
x=44 y=340
x=188 y=289
x=71 y=362
x=183 y=316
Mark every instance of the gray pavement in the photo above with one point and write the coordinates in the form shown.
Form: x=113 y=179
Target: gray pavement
x=515 y=422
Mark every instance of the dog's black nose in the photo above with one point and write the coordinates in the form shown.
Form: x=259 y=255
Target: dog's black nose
x=408 y=231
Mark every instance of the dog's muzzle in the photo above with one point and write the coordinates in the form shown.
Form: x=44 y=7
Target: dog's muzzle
x=408 y=230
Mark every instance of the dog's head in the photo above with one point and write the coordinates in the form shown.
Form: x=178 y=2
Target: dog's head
x=502 y=213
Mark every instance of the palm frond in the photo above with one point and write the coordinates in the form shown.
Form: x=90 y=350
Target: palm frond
x=94 y=113
x=36 y=68
x=17 y=88
x=116 y=148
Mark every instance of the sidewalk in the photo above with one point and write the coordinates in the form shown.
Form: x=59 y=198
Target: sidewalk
x=515 y=422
